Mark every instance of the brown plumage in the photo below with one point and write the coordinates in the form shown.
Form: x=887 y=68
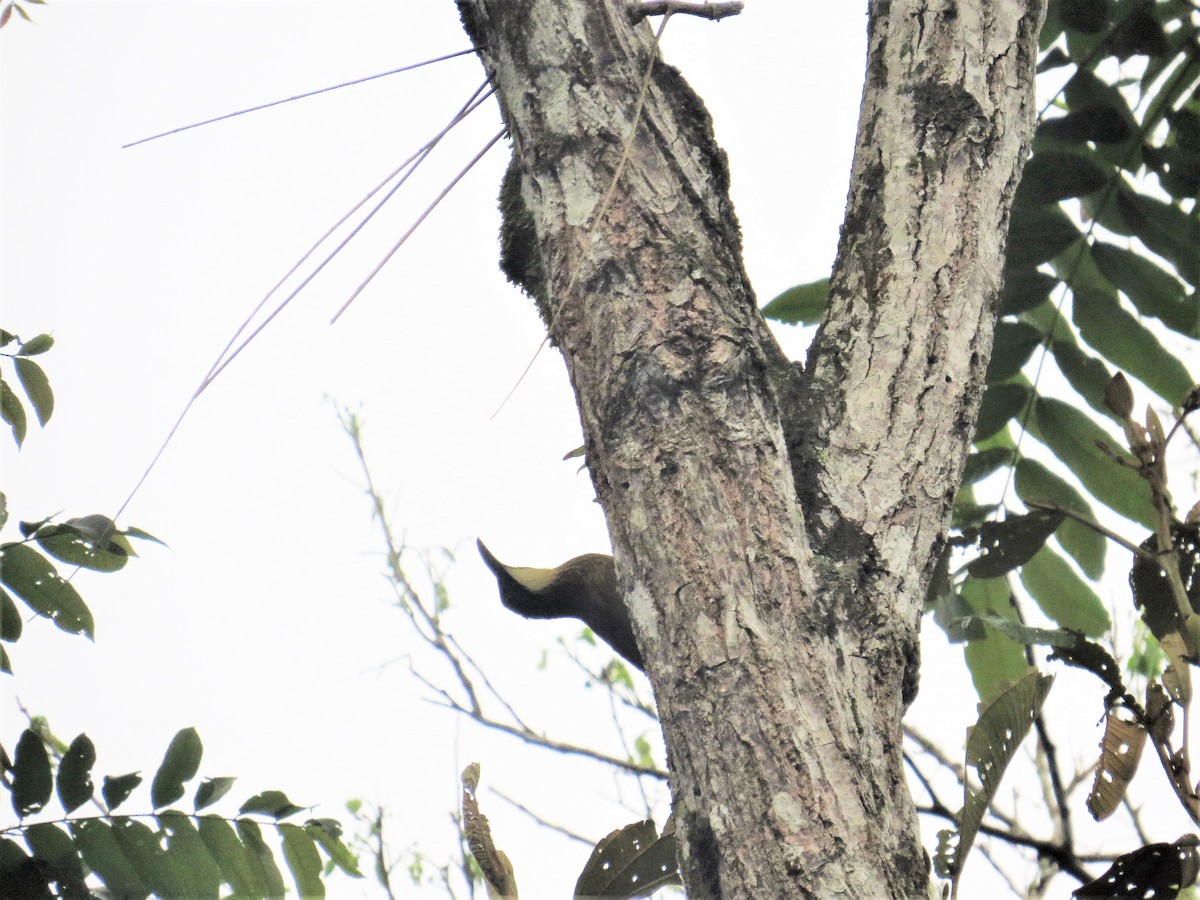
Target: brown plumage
x=583 y=588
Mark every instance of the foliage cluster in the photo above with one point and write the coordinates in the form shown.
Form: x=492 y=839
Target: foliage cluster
x=164 y=851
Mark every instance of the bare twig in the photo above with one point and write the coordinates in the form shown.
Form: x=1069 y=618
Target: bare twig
x=538 y=740
x=1097 y=527
x=545 y=823
x=417 y=224
x=333 y=87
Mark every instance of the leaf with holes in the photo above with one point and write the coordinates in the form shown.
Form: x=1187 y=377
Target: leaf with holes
x=116 y=789
x=32 y=780
x=991 y=743
x=1120 y=753
x=74 y=779
x=31 y=577
x=1006 y=545
x=1152 y=592
x=630 y=862
x=1156 y=870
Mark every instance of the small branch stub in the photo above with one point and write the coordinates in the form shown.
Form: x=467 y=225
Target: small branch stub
x=713 y=9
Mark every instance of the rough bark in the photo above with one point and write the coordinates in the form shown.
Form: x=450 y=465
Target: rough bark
x=773 y=532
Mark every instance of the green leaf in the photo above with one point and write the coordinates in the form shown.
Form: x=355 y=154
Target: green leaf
x=1154 y=291
x=995 y=658
x=1001 y=403
x=991 y=743
x=142 y=535
x=1114 y=127
x=271 y=803
x=180 y=764
x=32 y=578
x=1100 y=124
x=328 y=833
x=1166 y=229
x=1037 y=234
x=37 y=388
x=5 y=662
x=32 y=781
x=190 y=863
x=1129 y=345
x=1037 y=484
x=10 y=618
x=12 y=412
x=19 y=874
x=107 y=860
x=802 y=304
x=1076 y=439
x=983 y=463
x=1050 y=177
x=1062 y=595
x=1086 y=374
x=303 y=860
x=1024 y=288
x=211 y=790
x=266 y=873
x=74 y=780
x=36 y=345
x=116 y=789
x=237 y=867
x=50 y=843
x=144 y=852
x=1013 y=344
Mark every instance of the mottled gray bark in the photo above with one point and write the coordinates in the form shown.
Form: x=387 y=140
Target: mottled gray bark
x=773 y=532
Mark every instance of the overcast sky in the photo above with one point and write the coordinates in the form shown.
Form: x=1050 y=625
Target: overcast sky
x=266 y=623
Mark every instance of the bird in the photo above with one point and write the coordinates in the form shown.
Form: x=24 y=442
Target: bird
x=583 y=588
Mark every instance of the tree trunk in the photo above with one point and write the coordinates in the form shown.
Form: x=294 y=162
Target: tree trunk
x=773 y=529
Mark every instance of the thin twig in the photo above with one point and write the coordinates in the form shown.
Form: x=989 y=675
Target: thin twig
x=417 y=224
x=411 y=165
x=242 y=112
x=545 y=823
x=538 y=740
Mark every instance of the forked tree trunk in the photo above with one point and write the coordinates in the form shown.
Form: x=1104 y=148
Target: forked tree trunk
x=773 y=529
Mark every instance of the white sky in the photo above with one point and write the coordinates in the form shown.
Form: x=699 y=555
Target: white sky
x=266 y=624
